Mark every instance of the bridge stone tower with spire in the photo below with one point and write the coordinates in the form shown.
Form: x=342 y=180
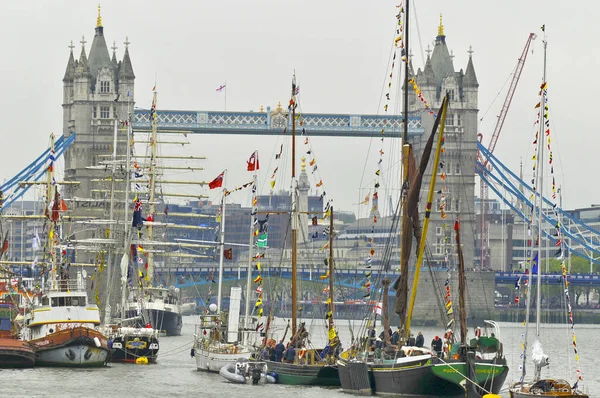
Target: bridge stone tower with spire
x=97 y=92
x=460 y=148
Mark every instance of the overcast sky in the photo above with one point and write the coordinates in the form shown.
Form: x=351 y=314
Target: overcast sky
x=339 y=50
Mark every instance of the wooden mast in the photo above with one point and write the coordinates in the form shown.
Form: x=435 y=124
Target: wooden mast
x=462 y=282
x=436 y=162
x=294 y=206
x=402 y=289
x=330 y=271
x=152 y=188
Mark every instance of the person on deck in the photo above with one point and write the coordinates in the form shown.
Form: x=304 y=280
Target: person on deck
x=420 y=340
x=290 y=354
x=279 y=349
x=436 y=345
x=396 y=337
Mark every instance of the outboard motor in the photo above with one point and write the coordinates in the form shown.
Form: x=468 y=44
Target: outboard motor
x=256 y=374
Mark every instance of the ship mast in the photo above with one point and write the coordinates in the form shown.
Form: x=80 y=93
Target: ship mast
x=127 y=228
x=540 y=168
x=221 y=247
x=406 y=153
x=330 y=271
x=294 y=207
x=249 y=276
x=152 y=188
x=50 y=195
x=110 y=230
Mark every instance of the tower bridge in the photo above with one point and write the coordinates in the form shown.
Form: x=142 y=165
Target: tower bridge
x=276 y=122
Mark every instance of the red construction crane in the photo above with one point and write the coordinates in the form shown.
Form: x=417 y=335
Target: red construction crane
x=484 y=236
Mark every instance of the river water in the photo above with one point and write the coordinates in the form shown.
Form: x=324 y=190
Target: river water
x=175 y=373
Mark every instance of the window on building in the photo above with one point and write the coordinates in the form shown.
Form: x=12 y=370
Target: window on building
x=105 y=112
x=95 y=112
x=450 y=119
x=456 y=167
x=105 y=87
x=438 y=230
x=451 y=94
x=458 y=121
x=457 y=205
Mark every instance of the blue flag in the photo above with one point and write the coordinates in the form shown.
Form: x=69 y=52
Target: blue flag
x=534 y=267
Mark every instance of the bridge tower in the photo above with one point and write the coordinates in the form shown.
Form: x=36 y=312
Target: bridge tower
x=97 y=91
x=435 y=80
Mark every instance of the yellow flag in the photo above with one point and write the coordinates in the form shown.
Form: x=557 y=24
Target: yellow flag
x=273 y=184
x=332 y=334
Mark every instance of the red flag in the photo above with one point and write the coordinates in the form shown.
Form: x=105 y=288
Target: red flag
x=228 y=254
x=217 y=182
x=456 y=224
x=253 y=161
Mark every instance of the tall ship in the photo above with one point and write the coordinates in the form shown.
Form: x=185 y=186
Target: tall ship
x=62 y=324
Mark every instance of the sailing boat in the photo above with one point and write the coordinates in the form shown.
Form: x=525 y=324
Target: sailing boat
x=216 y=340
x=159 y=307
x=308 y=366
x=542 y=387
x=129 y=344
x=62 y=325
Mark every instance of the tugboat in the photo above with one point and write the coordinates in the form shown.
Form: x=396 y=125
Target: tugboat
x=62 y=329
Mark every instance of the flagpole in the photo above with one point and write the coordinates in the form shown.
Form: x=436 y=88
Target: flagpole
x=221 y=248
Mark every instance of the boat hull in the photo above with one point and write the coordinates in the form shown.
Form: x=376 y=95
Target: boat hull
x=308 y=375
x=128 y=348
x=545 y=388
x=421 y=378
x=77 y=347
x=210 y=361
x=167 y=322
x=16 y=354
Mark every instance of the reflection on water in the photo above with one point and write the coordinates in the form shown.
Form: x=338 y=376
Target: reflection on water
x=175 y=373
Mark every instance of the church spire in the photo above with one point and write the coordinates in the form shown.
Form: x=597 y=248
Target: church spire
x=440 y=28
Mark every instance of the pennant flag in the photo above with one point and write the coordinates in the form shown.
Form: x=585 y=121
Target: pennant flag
x=217 y=182
x=253 y=161
x=228 y=254
x=278 y=155
x=366 y=201
x=534 y=268
x=262 y=241
x=315 y=221
x=220 y=88
x=257 y=279
x=319 y=183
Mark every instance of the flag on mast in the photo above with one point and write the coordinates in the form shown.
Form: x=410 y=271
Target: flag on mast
x=217 y=182
x=220 y=88
x=253 y=161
